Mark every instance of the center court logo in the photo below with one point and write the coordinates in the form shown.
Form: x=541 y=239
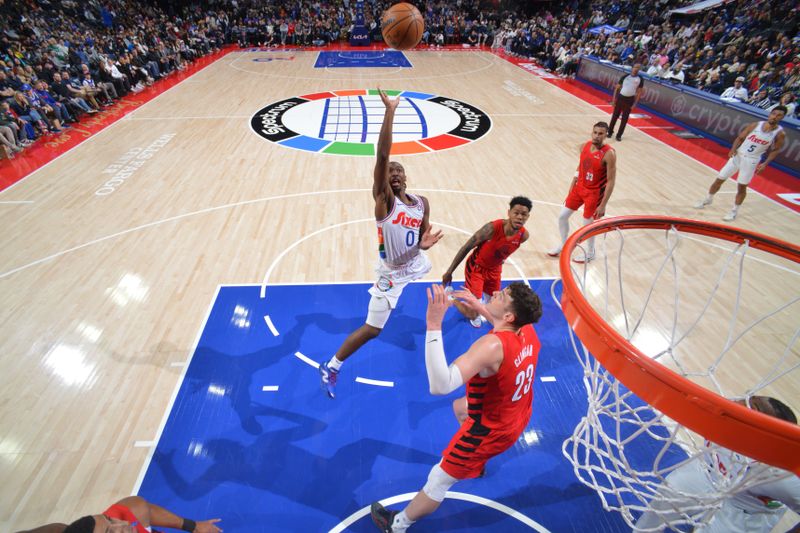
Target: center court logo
x=348 y=122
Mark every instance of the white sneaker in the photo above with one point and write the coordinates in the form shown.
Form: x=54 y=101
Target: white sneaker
x=477 y=322
x=555 y=252
x=702 y=203
x=449 y=292
x=730 y=216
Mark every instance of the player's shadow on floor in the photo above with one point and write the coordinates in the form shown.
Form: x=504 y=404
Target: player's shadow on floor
x=274 y=463
x=234 y=372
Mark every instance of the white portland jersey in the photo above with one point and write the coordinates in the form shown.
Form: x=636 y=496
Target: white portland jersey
x=398 y=233
x=758 y=141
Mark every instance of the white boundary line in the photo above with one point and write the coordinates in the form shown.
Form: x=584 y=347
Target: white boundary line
x=17 y=201
x=271 y=326
x=377 y=382
x=210 y=117
x=366 y=282
x=762 y=261
x=286 y=250
x=452 y=495
x=168 y=410
x=547 y=114
x=120 y=119
x=491 y=61
x=228 y=206
x=267 y=388
x=306 y=359
x=297 y=242
x=249 y=202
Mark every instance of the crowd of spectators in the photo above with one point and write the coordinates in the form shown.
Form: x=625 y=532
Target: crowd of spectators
x=61 y=59
x=746 y=50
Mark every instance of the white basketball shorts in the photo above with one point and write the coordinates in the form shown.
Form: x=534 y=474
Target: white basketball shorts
x=390 y=284
x=745 y=165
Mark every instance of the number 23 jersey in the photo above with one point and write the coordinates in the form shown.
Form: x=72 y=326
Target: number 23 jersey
x=504 y=400
x=592 y=171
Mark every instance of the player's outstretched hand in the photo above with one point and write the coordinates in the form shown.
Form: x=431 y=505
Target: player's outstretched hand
x=468 y=299
x=388 y=102
x=447 y=279
x=438 y=302
x=429 y=238
x=207 y=526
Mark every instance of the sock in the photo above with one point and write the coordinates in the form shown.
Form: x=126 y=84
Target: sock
x=335 y=364
x=735 y=208
x=563 y=226
x=401 y=522
x=590 y=242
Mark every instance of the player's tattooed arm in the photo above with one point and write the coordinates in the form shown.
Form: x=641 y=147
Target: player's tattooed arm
x=480 y=236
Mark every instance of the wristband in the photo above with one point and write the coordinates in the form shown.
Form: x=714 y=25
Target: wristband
x=433 y=336
x=189 y=525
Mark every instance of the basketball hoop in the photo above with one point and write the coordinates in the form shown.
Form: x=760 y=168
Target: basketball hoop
x=663 y=362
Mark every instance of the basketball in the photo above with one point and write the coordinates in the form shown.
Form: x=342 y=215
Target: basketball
x=402 y=26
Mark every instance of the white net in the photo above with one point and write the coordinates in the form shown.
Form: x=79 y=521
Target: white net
x=721 y=314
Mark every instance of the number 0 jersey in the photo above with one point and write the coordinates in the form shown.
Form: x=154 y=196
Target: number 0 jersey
x=592 y=171
x=398 y=233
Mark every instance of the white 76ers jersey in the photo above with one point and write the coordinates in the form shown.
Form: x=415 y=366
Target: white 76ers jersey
x=758 y=141
x=398 y=233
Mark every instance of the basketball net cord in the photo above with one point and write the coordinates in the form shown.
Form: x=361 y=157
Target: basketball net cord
x=607 y=445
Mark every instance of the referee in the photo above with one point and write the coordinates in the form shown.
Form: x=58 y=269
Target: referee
x=626 y=96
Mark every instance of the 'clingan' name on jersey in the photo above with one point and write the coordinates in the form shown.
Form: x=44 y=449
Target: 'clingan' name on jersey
x=524 y=353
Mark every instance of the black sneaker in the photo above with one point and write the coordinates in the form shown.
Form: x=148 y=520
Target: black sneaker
x=382 y=517
x=619 y=138
x=610 y=133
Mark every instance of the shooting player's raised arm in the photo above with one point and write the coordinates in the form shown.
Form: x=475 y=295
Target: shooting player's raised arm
x=381 y=189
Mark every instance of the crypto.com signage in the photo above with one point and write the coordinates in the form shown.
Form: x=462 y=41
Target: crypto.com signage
x=698 y=110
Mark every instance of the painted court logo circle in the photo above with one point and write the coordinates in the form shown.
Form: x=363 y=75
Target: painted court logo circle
x=348 y=122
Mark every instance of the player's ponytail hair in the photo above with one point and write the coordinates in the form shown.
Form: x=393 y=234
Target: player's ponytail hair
x=525 y=304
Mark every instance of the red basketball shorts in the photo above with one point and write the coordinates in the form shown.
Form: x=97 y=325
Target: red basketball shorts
x=589 y=198
x=480 y=281
x=473 y=445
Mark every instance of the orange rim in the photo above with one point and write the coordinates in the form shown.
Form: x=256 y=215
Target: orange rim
x=762 y=437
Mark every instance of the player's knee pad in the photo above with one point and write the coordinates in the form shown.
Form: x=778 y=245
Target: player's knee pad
x=565 y=213
x=439 y=482
x=378 y=311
